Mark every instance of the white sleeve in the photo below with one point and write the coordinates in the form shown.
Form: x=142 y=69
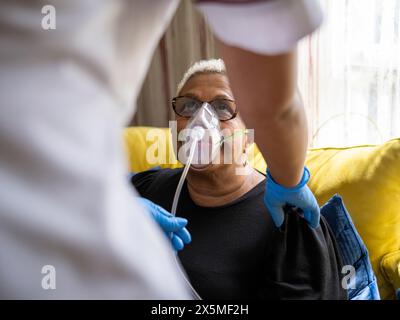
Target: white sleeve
x=64 y=199
x=264 y=27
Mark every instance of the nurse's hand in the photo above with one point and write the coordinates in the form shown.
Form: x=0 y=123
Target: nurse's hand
x=173 y=227
x=277 y=196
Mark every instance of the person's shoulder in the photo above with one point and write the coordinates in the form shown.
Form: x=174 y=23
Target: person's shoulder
x=154 y=178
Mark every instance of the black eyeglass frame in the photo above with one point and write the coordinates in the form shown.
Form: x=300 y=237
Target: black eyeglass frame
x=173 y=102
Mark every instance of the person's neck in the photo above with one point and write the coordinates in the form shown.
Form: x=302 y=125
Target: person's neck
x=212 y=188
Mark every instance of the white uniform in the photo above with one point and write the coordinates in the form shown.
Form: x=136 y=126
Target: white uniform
x=65 y=95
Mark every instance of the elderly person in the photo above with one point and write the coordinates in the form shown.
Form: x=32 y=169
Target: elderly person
x=236 y=250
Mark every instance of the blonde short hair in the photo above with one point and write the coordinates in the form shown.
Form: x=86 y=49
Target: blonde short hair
x=201 y=67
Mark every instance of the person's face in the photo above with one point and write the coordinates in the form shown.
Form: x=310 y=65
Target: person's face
x=208 y=87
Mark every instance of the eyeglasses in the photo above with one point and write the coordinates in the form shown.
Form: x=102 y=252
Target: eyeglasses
x=186 y=107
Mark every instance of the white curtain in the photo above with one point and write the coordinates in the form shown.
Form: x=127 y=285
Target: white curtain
x=349 y=73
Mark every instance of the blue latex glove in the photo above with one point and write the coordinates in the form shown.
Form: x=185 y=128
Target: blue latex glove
x=173 y=227
x=300 y=196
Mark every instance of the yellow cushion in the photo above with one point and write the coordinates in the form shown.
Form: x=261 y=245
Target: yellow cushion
x=149 y=147
x=390 y=267
x=367 y=178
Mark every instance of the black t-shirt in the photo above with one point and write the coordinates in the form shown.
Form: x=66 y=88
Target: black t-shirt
x=236 y=251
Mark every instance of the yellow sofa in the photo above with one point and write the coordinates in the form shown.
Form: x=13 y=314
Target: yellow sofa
x=367 y=178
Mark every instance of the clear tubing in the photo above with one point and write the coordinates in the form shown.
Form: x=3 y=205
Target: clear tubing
x=233 y=135
x=196 y=137
x=175 y=205
x=183 y=177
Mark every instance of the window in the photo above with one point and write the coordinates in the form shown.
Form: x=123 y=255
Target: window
x=349 y=73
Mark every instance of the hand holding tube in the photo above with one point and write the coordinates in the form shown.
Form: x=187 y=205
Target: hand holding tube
x=173 y=227
x=300 y=196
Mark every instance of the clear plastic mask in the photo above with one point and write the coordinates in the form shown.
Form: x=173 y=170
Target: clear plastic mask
x=203 y=130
